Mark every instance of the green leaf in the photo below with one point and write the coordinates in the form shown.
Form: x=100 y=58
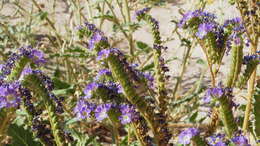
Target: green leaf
x=21 y=136
x=62 y=88
x=193 y=117
x=43 y=15
x=58 y=84
x=64 y=92
x=148 y=67
x=143 y=46
x=200 y=61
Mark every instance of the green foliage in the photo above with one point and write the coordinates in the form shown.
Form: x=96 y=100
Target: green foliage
x=21 y=136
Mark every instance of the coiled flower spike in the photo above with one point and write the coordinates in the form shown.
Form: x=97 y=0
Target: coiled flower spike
x=35 y=83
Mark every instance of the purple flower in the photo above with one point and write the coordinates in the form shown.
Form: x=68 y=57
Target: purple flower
x=10 y=95
x=188 y=16
x=128 y=113
x=89 y=88
x=248 y=58
x=233 y=21
x=204 y=28
x=96 y=37
x=119 y=89
x=216 y=92
x=83 y=109
x=240 y=141
x=149 y=78
x=102 y=72
x=207 y=97
x=103 y=54
x=38 y=57
x=101 y=111
x=216 y=140
x=142 y=11
x=186 y=135
x=1 y=66
x=26 y=71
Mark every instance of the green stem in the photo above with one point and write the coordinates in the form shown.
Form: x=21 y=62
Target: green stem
x=251 y=88
x=235 y=67
x=179 y=79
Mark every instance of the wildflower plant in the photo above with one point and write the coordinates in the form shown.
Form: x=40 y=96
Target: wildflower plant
x=101 y=93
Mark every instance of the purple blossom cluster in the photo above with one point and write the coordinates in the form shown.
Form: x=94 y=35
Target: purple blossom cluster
x=201 y=16
x=248 y=58
x=36 y=56
x=217 y=92
x=103 y=72
x=204 y=23
x=217 y=140
x=96 y=37
x=10 y=95
x=235 y=28
x=142 y=11
x=240 y=140
x=91 y=87
x=85 y=109
x=186 y=136
x=103 y=54
x=128 y=113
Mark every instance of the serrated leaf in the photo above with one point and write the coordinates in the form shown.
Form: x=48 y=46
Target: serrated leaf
x=21 y=136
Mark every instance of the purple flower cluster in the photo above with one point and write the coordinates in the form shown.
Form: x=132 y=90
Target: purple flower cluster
x=10 y=95
x=216 y=92
x=36 y=56
x=89 y=88
x=235 y=28
x=101 y=111
x=96 y=37
x=203 y=23
x=103 y=54
x=240 y=140
x=142 y=11
x=216 y=140
x=103 y=72
x=186 y=135
x=203 y=17
x=85 y=109
x=204 y=29
x=128 y=113
x=248 y=58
